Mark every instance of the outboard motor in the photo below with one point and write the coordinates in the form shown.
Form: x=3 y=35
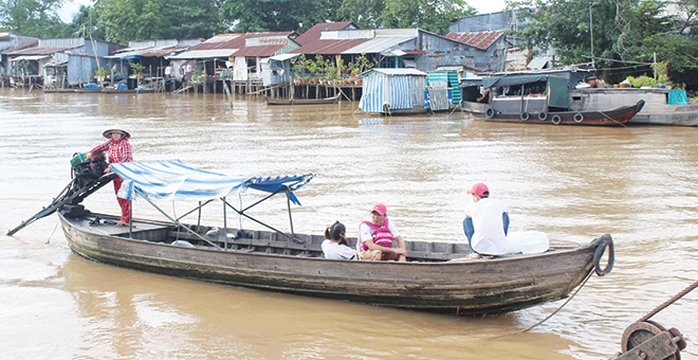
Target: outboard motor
x=87 y=177
x=86 y=172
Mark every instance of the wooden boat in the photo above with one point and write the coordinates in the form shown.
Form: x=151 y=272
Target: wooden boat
x=54 y=91
x=327 y=100
x=129 y=91
x=539 y=97
x=430 y=281
x=88 y=91
x=77 y=90
x=618 y=116
x=662 y=106
x=437 y=276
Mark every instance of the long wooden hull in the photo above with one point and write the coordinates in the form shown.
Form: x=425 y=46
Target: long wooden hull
x=266 y=261
x=618 y=116
x=329 y=100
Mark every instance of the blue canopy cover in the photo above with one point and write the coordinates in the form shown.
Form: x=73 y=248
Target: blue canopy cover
x=172 y=179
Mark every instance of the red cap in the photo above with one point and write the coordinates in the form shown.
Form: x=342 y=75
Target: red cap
x=480 y=190
x=380 y=209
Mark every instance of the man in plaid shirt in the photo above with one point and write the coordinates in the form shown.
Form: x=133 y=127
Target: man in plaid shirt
x=119 y=151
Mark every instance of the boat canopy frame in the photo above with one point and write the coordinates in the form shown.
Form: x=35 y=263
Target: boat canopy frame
x=155 y=179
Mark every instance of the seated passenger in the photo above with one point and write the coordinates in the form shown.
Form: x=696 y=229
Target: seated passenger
x=376 y=238
x=486 y=223
x=335 y=244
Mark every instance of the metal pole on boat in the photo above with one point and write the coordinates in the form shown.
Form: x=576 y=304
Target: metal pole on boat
x=198 y=219
x=130 y=219
x=288 y=203
x=178 y=224
x=225 y=224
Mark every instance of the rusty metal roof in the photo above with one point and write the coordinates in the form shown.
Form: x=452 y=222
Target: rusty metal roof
x=313 y=33
x=39 y=50
x=239 y=41
x=328 y=47
x=479 y=39
x=259 y=51
x=24 y=45
x=358 y=41
x=148 y=51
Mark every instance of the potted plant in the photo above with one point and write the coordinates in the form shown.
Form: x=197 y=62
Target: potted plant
x=137 y=69
x=100 y=74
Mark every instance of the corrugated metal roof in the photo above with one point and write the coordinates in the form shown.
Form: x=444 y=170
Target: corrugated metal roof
x=216 y=42
x=377 y=44
x=149 y=51
x=238 y=41
x=40 y=50
x=328 y=47
x=538 y=63
x=314 y=32
x=282 y=57
x=23 y=45
x=30 y=57
x=358 y=41
x=259 y=51
x=391 y=72
x=204 y=54
x=480 y=39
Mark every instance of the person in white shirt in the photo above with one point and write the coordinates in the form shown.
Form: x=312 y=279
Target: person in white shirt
x=486 y=223
x=335 y=244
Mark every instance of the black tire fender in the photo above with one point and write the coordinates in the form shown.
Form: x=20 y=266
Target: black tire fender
x=542 y=116
x=578 y=117
x=524 y=116
x=556 y=119
x=489 y=112
x=600 y=244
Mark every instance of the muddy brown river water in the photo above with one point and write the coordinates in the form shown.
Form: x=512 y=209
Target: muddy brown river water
x=574 y=183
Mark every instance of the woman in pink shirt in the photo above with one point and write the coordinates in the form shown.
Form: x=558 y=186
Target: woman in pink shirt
x=119 y=151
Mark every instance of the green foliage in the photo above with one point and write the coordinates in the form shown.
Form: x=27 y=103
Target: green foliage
x=364 y=64
x=276 y=15
x=661 y=69
x=32 y=18
x=623 y=30
x=429 y=15
x=641 y=81
x=136 y=68
x=101 y=71
x=122 y=21
x=301 y=65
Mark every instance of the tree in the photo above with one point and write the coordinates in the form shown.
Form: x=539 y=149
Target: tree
x=277 y=15
x=365 y=13
x=32 y=18
x=431 y=15
x=618 y=28
x=85 y=24
x=124 y=20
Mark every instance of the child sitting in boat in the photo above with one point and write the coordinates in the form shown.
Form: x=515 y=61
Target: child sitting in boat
x=335 y=244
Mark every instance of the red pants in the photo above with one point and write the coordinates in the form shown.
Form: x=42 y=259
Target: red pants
x=125 y=204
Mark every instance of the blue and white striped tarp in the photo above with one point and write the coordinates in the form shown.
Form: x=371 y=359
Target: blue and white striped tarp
x=400 y=93
x=383 y=92
x=172 y=179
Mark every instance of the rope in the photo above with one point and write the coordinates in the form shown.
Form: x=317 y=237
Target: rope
x=669 y=302
x=551 y=315
x=612 y=119
x=52 y=232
